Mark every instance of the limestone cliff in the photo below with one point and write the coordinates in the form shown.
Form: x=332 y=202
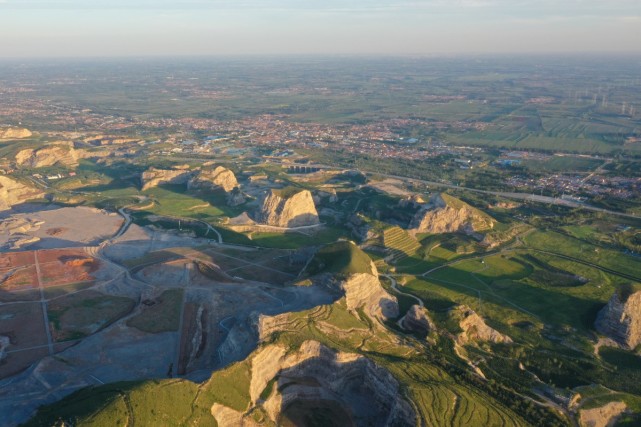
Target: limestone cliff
x=474 y=327
x=620 y=319
x=350 y=388
x=218 y=178
x=153 y=177
x=13 y=193
x=445 y=214
x=287 y=208
x=417 y=320
x=15 y=133
x=61 y=153
x=364 y=291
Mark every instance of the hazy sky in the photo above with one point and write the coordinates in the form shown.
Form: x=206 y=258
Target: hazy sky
x=195 y=27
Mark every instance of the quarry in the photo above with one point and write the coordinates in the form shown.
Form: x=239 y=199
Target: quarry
x=254 y=295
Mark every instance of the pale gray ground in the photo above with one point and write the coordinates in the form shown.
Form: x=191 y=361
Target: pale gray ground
x=55 y=226
x=226 y=329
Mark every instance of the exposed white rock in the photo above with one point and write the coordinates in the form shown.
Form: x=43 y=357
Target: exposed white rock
x=14 y=193
x=314 y=373
x=365 y=290
x=288 y=210
x=15 y=133
x=58 y=153
x=620 y=319
x=474 y=327
x=153 y=177
x=444 y=214
x=603 y=416
x=218 y=178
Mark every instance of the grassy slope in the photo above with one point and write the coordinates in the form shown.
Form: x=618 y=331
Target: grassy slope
x=342 y=258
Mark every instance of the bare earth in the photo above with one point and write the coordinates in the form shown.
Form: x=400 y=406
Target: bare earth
x=58 y=227
x=215 y=306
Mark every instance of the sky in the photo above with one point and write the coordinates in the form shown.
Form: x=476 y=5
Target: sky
x=105 y=28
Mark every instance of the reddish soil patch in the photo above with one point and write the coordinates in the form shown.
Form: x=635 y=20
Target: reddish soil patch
x=16 y=279
x=51 y=255
x=17 y=362
x=67 y=267
x=9 y=260
x=23 y=324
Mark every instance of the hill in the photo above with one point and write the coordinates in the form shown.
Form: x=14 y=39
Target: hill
x=342 y=258
x=447 y=214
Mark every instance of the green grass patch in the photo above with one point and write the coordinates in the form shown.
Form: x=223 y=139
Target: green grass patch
x=162 y=316
x=342 y=258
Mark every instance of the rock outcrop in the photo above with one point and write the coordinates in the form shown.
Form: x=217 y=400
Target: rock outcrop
x=15 y=133
x=620 y=319
x=288 y=208
x=365 y=291
x=328 y=193
x=235 y=197
x=417 y=320
x=603 y=416
x=445 y=214
x=351 y=389
x=19 y=225
x=62 y=154
x=474 y=327
x=413 y=201
x=13 y=193
x=218 y=178
x=153 y=177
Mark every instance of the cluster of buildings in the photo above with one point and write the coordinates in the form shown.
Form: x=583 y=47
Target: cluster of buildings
x=593 y=186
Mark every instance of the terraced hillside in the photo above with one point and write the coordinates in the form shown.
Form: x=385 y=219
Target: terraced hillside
x=399 y=244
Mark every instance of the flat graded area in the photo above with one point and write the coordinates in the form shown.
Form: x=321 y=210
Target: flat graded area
x=84 y=313
x=19 y=278
x=22 y=330
x=54 y=267
x=160 y=314
x=55 y=227
x=184 y=306
x=23 y=324
x=60 y=267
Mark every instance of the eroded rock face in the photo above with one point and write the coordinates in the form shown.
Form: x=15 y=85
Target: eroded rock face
x=218 y=178
x=13 y=193
x=295 y=210
x=417 y=320
x=349 y=387
x=620 y=319
x=440 y=217
x=54 y=154
x=603 y=416
x=153 y=177
x=365 y=291
x=15 y=133
x=474 y=327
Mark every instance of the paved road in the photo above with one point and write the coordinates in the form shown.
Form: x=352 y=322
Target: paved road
x=395 y=287
x=125 y=225
x=43 y=302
